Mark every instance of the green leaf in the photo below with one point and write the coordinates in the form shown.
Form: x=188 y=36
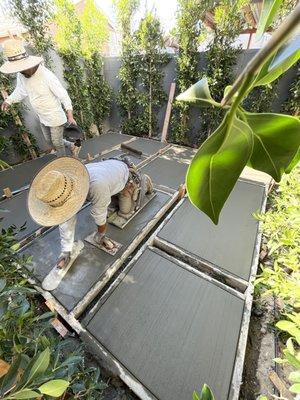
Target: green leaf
x=276 y=142
x=285 y=57
x=40 y=365
x=262 y=398
x=206 y=393
x=269 y=10
x=24 y=394
x=54 y=388
x=291 y=359
x=217 y=165
x=290 y=346
x=196 y=396
x=289 y=327
x=198 y=95
x=294 y=376
x=295 y=388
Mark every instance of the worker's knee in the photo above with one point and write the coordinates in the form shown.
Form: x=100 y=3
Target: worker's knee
x=125 y=202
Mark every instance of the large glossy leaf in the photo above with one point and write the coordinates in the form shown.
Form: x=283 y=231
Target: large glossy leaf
x=54 y=388
x=217 y=165
x=198 y=95
x=285 y=57
x=276 y=142
x=269 y=10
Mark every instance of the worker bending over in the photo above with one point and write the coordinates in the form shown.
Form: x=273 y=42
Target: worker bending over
x=45 y=92
x=60 y=189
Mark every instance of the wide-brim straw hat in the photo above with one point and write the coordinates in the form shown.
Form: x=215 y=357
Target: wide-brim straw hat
x=50 y=210
x=17 y=57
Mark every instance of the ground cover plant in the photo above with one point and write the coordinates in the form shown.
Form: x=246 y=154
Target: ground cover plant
x=34 y=361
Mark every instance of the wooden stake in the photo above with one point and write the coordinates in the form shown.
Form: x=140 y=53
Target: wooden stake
x=18 y=122
x=280 y=386
x=7 y=192
x=168 y=112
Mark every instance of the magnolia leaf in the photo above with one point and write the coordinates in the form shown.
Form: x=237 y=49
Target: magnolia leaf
x=54 y=388
x=276 y=142
x=198 y=94
x=217 y=165
x=24 y=394
x=285 y=57
x=294 y=376
x=289 y=327
x=295 y=388
x=206 y=393
x=269 y=10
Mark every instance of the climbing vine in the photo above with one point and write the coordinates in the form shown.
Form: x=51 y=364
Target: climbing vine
x=68 y=41
x=222 y=56
x=152 y=58
x=128 y=73
x=35 y=16
x=94 y=37
x=187 y=32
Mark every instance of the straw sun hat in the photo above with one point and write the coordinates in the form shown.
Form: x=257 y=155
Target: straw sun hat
x=17 y=57
x=58 y=191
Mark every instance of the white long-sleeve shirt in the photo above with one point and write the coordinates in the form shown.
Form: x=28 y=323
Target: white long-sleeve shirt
x=46 y=95
x=107 y=178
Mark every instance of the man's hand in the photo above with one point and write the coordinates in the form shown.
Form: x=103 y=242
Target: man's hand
x=70 y=118
x=5 y=106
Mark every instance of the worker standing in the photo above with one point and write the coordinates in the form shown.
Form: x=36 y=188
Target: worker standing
x=45 y=92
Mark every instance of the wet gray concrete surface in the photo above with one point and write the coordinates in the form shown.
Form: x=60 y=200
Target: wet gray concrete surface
x=92 y=263
x=14 y=211
x=230 y=244
x=172 y=330
x=21 y=175
x=117 y=153
x=146 y=146
x=166 y=171
x=100 y=143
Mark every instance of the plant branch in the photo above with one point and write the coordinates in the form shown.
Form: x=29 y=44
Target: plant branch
x=278 y=38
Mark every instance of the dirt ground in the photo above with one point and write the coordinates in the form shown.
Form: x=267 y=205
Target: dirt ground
x=261 y=350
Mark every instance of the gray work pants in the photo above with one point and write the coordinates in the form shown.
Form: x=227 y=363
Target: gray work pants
x=54 y=138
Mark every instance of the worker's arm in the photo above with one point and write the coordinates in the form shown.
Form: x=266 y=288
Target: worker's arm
x=60 y=92
x=17 y=95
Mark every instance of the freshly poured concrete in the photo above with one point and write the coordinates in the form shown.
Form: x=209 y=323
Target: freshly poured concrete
x=167 y=171
x=92 y=263
x=21 y=175
x=171 y=329
x=146 y=146
x=116 y=153
x=230 y=244
x=14 y=212
x=100 y=143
